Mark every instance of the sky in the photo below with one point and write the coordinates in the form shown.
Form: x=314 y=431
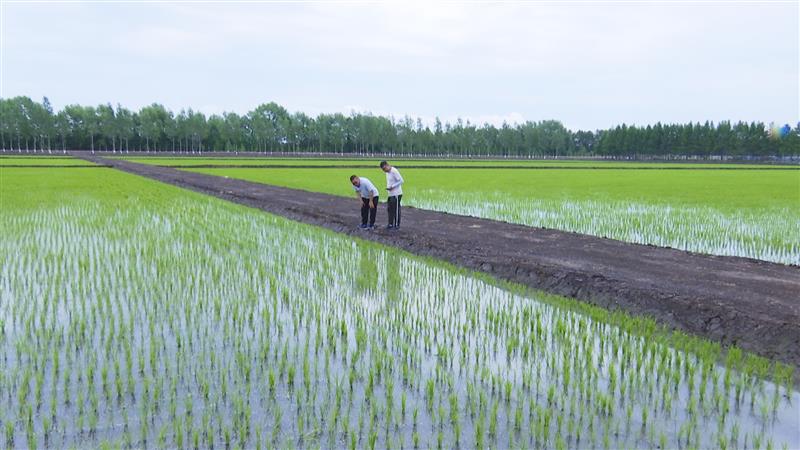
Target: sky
x=590 y=65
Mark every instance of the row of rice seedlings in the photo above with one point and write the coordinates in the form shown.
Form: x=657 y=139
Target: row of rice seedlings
x=768 y=234
x=140 y=326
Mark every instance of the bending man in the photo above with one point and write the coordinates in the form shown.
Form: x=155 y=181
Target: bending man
x=394 y=183
x=368 y=194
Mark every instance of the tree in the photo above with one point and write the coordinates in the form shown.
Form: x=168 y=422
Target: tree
x=107 y=125
x=91 y=124
x=126 y=126
x=62 y=128
x=153 y=125
x=26 y=124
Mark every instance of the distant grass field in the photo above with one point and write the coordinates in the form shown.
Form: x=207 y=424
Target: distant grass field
x=42 y=161
x=753 y=213
x=258 y=161
x=723 y=190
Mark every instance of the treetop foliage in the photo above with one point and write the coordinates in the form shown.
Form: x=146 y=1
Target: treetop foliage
x=28 y=125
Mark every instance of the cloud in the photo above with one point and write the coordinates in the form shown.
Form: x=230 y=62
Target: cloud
x=588 y=64
x=166 y=41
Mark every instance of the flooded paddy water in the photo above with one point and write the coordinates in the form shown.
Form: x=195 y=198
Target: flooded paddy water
x=172 y=320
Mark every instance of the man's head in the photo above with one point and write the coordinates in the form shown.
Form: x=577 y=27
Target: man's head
x=385 y=166
x=355 y=180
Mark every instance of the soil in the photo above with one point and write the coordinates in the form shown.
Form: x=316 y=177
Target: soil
x=750 y=303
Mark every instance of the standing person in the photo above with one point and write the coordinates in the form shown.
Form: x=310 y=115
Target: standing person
x=368 y=194
x=394 y=183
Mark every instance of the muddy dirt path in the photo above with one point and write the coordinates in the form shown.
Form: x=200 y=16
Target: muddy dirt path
x=753 y=304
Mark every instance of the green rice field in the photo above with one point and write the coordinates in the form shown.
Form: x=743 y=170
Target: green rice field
x=135 y=314
x=344 y=161
x=748 y=213
x=40 y=161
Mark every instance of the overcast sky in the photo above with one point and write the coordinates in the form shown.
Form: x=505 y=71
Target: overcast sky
x=589 y=65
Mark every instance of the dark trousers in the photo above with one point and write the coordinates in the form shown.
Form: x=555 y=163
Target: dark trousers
x=394 y=210
x=368 y=212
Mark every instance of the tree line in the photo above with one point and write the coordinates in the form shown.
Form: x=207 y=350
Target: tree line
x=27 y=125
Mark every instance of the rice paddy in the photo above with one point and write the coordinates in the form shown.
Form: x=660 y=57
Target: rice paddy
x=771 y=237
x=137 y=314
x=255 y=160
x=40 y=161
x=747 y=213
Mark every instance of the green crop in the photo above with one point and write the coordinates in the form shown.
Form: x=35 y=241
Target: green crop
x=42 y=161
x=254 y=160
x=153 y=316
x=751 y=213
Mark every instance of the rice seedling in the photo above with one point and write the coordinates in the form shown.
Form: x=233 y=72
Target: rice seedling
x=688 y=211
x=147 y=327
x=9 y=433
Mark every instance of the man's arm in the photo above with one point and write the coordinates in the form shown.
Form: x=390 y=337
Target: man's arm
x=397 y=178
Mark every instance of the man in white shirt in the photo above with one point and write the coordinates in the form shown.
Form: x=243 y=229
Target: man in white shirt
x=394 y=182
x=367 y=193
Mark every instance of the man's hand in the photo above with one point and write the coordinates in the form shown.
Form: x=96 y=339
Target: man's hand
x=372 y=202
